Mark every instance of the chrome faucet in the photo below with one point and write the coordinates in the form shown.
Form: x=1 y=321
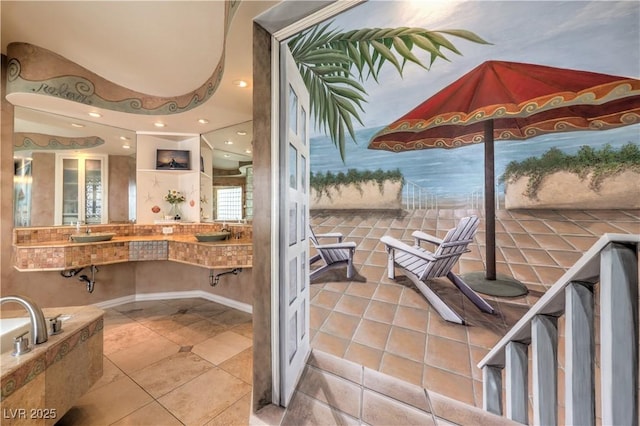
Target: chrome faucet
x=79 y=224
x=38 y=324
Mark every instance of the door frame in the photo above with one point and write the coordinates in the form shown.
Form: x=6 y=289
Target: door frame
x=270 y=29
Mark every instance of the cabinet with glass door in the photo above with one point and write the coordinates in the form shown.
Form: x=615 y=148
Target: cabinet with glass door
x=81 y=188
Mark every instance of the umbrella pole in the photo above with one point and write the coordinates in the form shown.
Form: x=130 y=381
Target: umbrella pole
x=488 y=282
x=489 y=200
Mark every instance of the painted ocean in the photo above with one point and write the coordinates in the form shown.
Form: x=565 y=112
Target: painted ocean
x=456 y=173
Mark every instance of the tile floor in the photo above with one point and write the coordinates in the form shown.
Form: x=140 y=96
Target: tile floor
x=160 y=361
x=336 y=391
x=161 y=357
x=388 y=326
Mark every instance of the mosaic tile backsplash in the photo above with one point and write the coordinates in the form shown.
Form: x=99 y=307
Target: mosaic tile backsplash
x=148 y=250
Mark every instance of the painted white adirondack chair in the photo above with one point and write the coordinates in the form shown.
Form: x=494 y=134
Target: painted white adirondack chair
x=420 y=265
x=334 y=255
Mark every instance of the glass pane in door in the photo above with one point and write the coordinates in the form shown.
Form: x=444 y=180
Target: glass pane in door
x=69 y=191
x=293 y=223
x=293 y=167
x=303 y=320
x=293 y=110
x=93 y=191
x=293 y=336
x=293 y=280
x=303 y=124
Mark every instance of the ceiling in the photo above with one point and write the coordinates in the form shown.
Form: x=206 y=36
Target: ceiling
x=157 y=48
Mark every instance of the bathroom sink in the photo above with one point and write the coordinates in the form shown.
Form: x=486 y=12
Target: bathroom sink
x=206 y=237
x=93 y=237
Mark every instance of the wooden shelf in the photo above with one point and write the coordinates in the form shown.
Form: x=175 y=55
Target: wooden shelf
x=174 y=172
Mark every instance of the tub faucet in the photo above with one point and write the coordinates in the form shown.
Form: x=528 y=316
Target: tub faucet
x=38 y=324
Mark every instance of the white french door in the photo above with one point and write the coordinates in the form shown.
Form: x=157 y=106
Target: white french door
x=294 y=216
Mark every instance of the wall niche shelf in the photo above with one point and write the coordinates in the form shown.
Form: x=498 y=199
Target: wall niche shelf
x=169 y=172
x=153 y=184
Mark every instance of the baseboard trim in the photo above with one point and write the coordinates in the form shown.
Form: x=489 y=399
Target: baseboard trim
x=241 y=306
x=115 y=302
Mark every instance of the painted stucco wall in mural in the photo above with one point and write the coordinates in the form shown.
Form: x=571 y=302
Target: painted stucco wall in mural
x=572 y=38
x=566 y=190
x=367 y=195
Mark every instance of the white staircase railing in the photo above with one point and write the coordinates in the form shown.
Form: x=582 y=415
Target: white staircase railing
x=416 y=197
x=611 y=263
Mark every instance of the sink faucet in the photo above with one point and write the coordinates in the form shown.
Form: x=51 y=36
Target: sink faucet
x=79 y=223
x=38 y=324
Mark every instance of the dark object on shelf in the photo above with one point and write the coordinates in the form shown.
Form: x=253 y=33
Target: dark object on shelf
x=173 y=159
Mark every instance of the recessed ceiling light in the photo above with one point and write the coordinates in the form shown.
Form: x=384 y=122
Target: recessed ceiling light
x=241 y=132
x=95 y=114
x=159 y=124
x=124 y=138
x=228 y=142
x=77 y=125
x=126 y=146
x=248 y=151
x=203 y=121
x=227 y=156
x=240 y=83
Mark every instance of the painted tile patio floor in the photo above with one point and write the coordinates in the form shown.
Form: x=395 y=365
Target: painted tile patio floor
x=388 y=326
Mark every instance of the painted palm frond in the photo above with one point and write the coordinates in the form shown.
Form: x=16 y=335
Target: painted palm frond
x=333 y=64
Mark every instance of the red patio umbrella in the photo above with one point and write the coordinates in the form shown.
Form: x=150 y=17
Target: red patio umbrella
x=509 y=100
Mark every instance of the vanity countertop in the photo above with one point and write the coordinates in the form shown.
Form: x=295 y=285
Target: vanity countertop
x=128 y=238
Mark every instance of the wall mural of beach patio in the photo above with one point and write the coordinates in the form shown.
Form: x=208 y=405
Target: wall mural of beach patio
x=604 y=165
x=548 y=172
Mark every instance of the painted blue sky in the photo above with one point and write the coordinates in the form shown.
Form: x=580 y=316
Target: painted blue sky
x=598 y=36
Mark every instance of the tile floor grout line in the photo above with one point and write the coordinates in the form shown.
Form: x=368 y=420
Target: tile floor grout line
x=153 y=399
x=426 y=348
x=433 y=415
x=129 y=376
x=471 y=369
x=361 y=415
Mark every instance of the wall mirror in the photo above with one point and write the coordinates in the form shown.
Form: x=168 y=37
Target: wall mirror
x=231 y=197
x=68 y=170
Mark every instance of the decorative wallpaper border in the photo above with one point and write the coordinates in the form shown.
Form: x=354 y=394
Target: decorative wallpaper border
x=33 y=69
x=38 y=141
x=32 y=368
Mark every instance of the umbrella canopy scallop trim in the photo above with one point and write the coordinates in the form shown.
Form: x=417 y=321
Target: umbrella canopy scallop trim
x=524 y=100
